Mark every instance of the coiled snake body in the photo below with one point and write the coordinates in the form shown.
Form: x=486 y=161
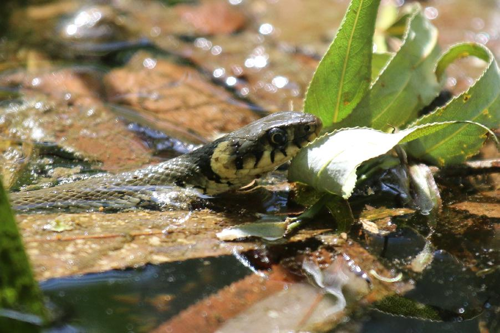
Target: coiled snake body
x=227 y=163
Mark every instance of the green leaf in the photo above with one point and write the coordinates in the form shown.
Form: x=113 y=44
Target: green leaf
x=343 y=75
x=460 y=51
x=408 y=308
x=481 y=103
x=18 y=289
x=329 y=164
x=341 y=212
x=387 y=15
x=379 y=62
x=407 y=84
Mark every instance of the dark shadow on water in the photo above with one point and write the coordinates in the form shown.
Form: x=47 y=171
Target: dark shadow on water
x=138 y=300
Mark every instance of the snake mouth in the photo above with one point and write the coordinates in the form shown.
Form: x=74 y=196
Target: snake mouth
x=303 y=140
x=314 y=135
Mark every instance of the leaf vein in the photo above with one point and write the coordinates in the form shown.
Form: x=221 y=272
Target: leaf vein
x=346 y=58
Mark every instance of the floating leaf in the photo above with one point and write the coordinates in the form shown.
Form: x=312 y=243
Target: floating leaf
x=407 y=83
x=481 y=103
x=266 y=230
x=423 y=259
x=329 y=164
x=343 y=75
x=409 y=308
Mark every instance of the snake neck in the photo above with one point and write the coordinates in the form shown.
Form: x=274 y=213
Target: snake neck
x=192 y=170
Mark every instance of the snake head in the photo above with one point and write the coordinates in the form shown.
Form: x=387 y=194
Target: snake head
x=260 y=147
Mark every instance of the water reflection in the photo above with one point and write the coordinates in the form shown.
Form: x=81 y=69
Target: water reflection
x=139 y=300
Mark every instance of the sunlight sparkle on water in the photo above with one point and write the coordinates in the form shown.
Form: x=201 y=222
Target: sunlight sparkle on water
x=71 y=29
x=431 y=13
x=88 y=17
x=216 y=50
x=35 y=82
x=203 y=43
x=482 y=38
x=231 y=81
x=258 y=59
x=155 y=31
x=218 y=72
x=280 y=81
x=266 y=29
x=149 y=63
x=244 y=91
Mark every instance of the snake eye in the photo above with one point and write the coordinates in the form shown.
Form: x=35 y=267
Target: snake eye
x=278 y=136
x=307 y=128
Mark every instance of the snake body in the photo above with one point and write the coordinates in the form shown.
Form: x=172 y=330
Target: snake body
x=225 y=164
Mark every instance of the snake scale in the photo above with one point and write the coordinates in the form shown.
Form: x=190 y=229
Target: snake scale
x=227 y=163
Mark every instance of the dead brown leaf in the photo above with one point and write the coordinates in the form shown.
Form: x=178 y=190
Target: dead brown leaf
x=212 y=17
x=177 y=95
x=491 y=210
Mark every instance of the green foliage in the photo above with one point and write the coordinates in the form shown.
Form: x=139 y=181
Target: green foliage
x=407 y=308
x=398 y=93
x=330 y=163
x=403 y=83
x=19 y=291
x=344 y=74
x=481 y=103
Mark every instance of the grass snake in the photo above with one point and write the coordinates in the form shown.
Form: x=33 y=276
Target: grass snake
x=227 y=163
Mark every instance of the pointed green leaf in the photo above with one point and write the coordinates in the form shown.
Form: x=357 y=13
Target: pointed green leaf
x=341 y=212
x=343 y=75
x=329 y=164
x=481 y=103
x=387 y=15
x=379 y=62
x=407 y=83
